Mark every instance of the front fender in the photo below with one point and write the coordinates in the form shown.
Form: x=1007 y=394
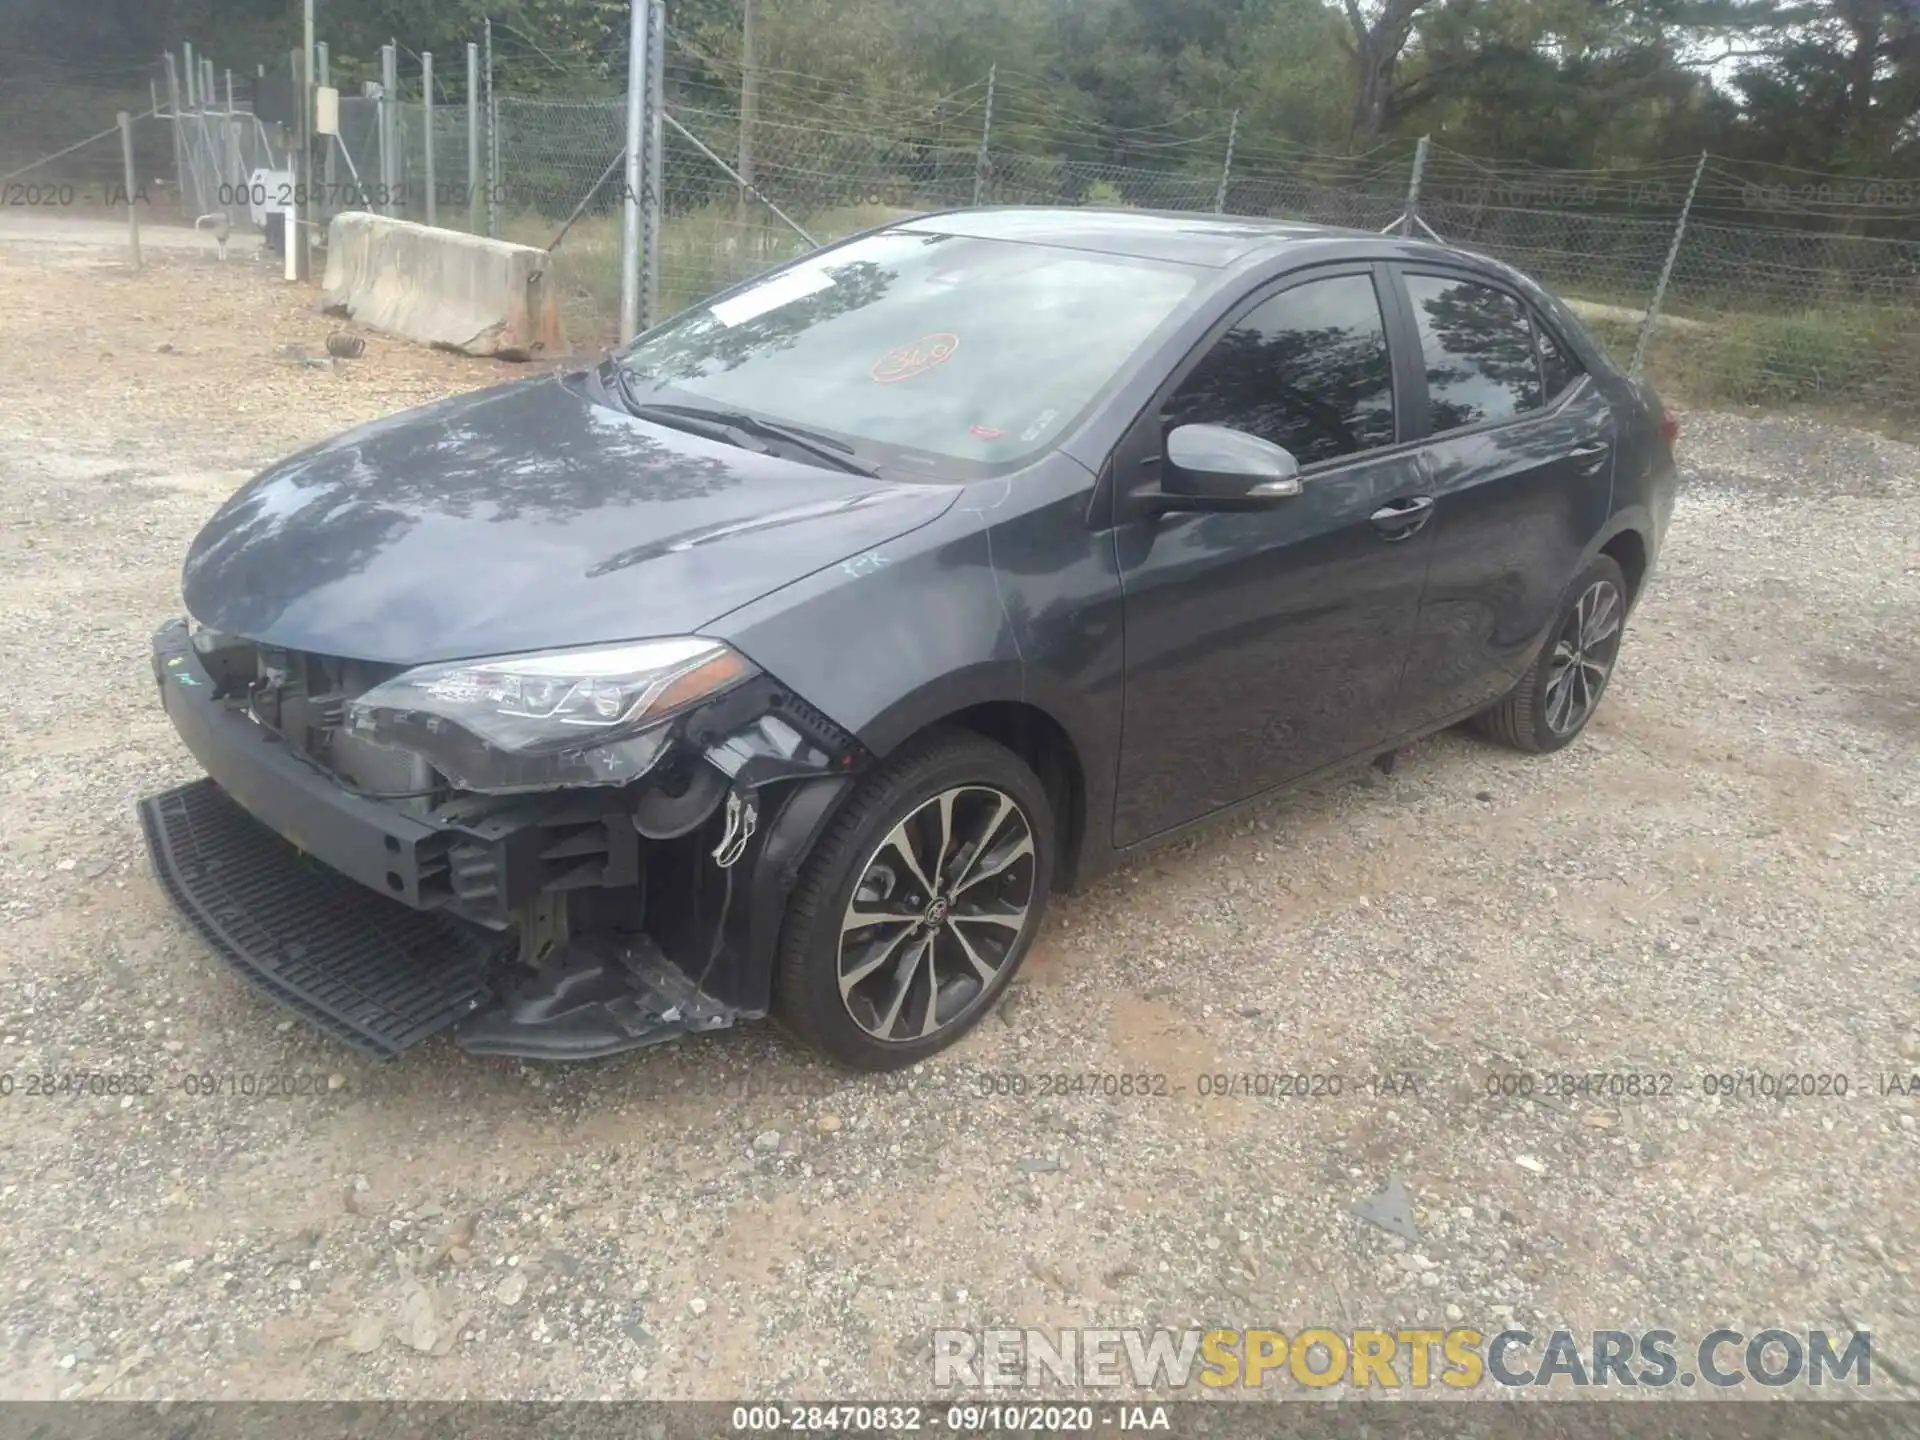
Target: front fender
x=1001 y=601
x=753 y=929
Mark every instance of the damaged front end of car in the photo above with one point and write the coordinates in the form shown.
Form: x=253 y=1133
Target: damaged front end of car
x=560 y=855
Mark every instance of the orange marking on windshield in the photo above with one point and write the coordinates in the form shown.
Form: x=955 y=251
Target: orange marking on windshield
x=903 y=362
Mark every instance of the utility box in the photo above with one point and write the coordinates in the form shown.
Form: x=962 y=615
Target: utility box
x=269 y=192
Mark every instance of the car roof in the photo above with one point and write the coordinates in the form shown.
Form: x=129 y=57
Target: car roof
x=1215 y=241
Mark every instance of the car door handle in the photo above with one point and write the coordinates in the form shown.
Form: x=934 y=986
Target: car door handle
x=1399 y=519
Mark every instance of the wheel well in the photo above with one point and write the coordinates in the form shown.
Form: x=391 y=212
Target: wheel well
x=1037 y=738
x=1629 y=552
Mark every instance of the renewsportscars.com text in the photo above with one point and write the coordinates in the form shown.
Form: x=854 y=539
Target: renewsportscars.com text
x=1459 y=1358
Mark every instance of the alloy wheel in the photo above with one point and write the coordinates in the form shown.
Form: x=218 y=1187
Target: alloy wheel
x=939 y=909
x=1583 y=656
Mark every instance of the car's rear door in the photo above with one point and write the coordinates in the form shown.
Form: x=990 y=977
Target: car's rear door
x=1263 y=645
x=1520 y=448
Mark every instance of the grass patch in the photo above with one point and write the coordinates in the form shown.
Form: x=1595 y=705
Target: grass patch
x=1805 y=357
x=1841 y=353
x=1850 y=363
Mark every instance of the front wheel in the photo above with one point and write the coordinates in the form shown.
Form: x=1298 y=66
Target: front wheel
x=916 y=908
x=1559 y=693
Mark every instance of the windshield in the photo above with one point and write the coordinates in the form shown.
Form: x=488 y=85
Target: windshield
x=935 y=347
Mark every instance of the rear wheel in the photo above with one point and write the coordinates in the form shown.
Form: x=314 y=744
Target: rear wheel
x=1557 y=696
x=916 y=908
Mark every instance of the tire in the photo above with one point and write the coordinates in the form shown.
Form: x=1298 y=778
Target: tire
x=949 y=777
x=1537 y=716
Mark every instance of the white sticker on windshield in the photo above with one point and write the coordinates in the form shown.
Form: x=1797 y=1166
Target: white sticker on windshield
x=781 y=290
x=1039 y=425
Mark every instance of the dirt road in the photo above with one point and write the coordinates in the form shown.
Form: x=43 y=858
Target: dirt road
x=1719 y=879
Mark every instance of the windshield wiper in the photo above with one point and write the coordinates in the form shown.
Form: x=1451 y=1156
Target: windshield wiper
x=716 y=425
x=824 y=447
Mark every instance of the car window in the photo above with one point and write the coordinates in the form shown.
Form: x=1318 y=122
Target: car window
x=1307 y=370
x=920 y=345
x=1558 y=368
x=1477 y=345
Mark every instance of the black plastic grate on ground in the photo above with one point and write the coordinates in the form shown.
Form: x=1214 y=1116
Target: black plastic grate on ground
x=367 y=970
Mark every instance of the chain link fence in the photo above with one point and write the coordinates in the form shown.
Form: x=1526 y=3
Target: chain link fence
x=518 y=169
x=219 y=154
x=556 y=157
x=1785 y=288
x=1770 y=286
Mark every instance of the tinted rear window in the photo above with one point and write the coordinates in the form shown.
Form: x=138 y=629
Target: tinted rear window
x=1477 y=345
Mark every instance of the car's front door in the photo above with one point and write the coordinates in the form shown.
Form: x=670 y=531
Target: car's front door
x=1520 y=443
x=1263 y=645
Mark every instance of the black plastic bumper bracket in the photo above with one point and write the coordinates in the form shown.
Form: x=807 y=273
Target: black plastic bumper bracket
x=598 y=995
x=367 y=970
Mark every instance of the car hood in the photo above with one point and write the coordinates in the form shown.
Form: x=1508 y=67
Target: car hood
x=525 y=517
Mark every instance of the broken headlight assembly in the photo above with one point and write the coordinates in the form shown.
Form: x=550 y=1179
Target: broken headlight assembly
x=554 y=718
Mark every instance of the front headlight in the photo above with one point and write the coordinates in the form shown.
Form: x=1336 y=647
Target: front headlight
x=555 y=718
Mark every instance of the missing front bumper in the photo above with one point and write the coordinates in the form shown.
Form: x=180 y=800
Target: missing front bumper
x=369 y=971
x=384 y=925
x=381 y=976
x=482 y=857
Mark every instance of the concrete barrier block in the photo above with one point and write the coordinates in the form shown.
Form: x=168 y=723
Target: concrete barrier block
x=443 y=287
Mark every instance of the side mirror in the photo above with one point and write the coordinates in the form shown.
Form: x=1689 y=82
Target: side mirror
x=1212 y=467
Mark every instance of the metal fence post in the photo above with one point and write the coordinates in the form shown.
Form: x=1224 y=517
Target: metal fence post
x=1226 y=167
x=493 y=137
x=190 y=78
x=1666 y=271
x=986 y=140
x=378 y=200
x=296 y=211
x=426 y=97
x=300 y=158
x=133 y=216
x=235 y=155
x=194 y=135
x=749 y=117
x=209 y=113
x=1412 y=217
x=654 y=201
x=323 y=73
x=390 y=126
x=173 y=114
x=310 y=210
x=473 y=138
x=631 y=218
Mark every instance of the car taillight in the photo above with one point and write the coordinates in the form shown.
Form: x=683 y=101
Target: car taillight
x=1669 y=426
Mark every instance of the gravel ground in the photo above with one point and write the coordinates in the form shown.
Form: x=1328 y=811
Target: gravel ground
x=1718 y=878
